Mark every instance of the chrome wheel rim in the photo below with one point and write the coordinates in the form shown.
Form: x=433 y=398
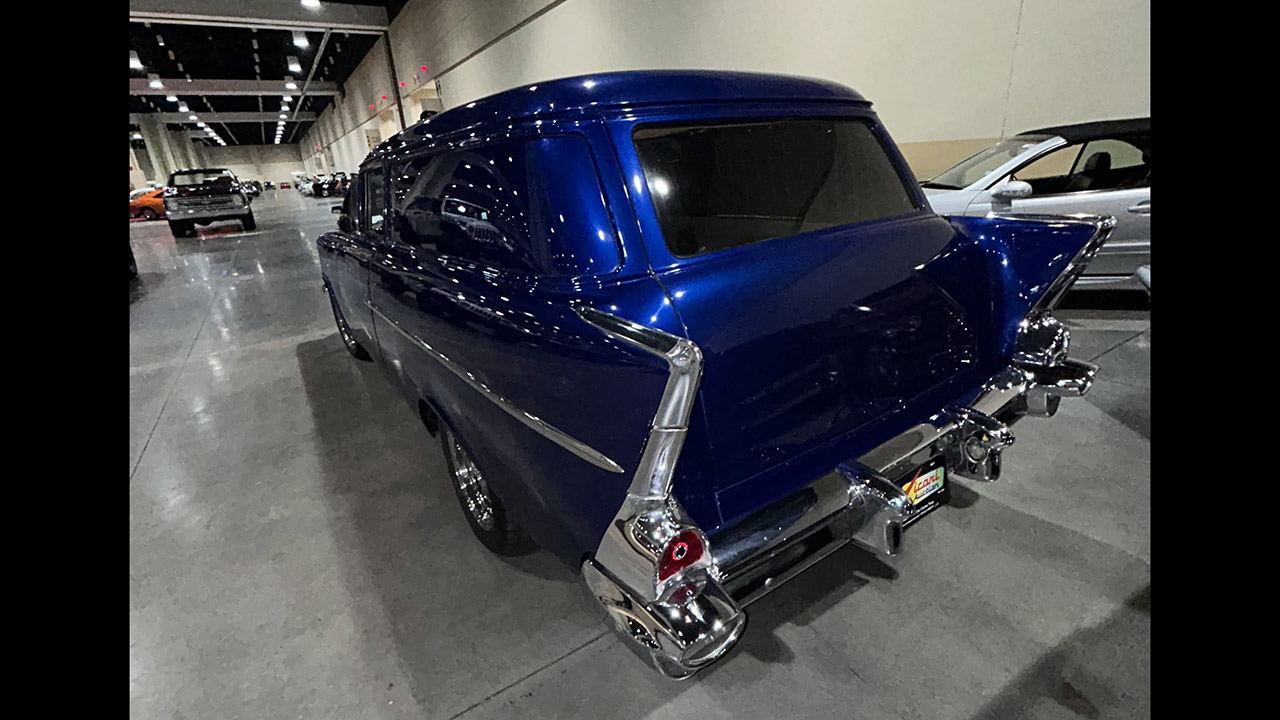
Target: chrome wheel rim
x=471 y=485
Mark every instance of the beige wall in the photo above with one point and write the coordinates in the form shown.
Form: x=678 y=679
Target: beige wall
x=947 y=78
x=930 y=158
x=256 y=162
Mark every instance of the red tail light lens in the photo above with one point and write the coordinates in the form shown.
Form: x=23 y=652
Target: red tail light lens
x=682 y=551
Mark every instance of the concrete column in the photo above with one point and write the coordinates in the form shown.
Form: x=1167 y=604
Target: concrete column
x=137 y=179
x=159 y=149
x=182 y=147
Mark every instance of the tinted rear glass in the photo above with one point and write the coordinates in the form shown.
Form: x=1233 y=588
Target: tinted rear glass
x=722 y=186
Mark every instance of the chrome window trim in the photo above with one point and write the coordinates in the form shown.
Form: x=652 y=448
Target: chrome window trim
x=537 y=424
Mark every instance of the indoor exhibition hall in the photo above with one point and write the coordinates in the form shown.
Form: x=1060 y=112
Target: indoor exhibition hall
x=639 y=359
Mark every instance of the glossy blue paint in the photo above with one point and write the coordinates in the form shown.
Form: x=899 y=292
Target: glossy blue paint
x=817 y=347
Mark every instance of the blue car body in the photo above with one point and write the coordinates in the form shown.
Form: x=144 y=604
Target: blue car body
x=557 y=369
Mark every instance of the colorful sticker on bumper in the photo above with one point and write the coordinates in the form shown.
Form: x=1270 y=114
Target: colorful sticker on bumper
x=924 y=485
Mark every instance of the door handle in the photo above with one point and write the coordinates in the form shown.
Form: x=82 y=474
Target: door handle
x=1142 y=208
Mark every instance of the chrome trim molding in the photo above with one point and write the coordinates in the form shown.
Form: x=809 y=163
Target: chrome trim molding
x=678 y=637
x=1103 y=225
x=666 y=432
x=538 y=425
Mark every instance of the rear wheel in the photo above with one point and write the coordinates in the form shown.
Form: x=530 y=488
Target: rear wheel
x=248 y=223
x=149 y=214
x=485 y=512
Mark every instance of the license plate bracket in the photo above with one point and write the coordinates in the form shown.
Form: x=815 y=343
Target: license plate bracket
x=927 y=486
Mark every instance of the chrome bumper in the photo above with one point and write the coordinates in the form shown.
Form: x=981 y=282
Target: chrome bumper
x=856 y=502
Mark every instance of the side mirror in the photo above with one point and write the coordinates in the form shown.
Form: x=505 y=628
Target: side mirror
x=344 y=223
x=1012 y=190
x=336 y=209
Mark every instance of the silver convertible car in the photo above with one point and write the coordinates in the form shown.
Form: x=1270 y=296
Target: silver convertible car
x=1100 y=168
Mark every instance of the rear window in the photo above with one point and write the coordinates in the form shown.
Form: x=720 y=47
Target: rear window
x=214 y=177
x=721 y=186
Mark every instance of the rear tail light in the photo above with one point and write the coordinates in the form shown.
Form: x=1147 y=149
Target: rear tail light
x=683 y=567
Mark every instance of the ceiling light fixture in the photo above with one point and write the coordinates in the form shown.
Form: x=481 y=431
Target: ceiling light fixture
x=160 y=41
x=171 y=98
x=311 y=3
x=201 y=124
x=283 y=116
x=300 y=39
x=287 y=98
x=155 y=83
x=193 y=117
x=136 y=136
x=134 y=62
x=293 y=64
x=182 y=107
x=289 y=84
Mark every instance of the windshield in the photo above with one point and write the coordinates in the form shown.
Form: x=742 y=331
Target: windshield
x=979 y=166
x=135 y=194
x=202 y=177
x=720 y=186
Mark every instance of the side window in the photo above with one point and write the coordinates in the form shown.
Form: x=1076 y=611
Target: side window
x=375 y=200
x=530 y=206
x=1107 y=164
x=1113 y=164
x=1049 y=173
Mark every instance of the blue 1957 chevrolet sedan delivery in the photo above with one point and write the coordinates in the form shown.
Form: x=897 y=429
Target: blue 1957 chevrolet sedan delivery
x=694 y=331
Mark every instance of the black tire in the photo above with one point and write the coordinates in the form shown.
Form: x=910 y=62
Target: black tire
x=344 y=330
x=149 y=214
x=324 y=192
x=182 y=228
x=248 y=223
x=486 y=514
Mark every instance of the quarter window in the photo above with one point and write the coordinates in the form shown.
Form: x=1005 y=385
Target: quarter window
x=530 y=206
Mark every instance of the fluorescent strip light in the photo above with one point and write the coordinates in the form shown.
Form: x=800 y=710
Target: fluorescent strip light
x=300 y=39
x=171 y=98
x=155 y=81
x=134 y=62
x=293 y=64
x=310 y=3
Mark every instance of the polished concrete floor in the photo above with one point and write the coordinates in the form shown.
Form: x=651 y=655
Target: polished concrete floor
x=296 y=550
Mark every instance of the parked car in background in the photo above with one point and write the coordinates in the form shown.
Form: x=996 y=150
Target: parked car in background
x=285 y=186
x=687 y=364
x=146 y=203
x=1102 y=168
x=307 y=187
x=268 y=185
x=334 y=185
x=200 y=197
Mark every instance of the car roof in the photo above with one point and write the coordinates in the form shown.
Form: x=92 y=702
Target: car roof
x=629 y=89
x=1083 y=132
